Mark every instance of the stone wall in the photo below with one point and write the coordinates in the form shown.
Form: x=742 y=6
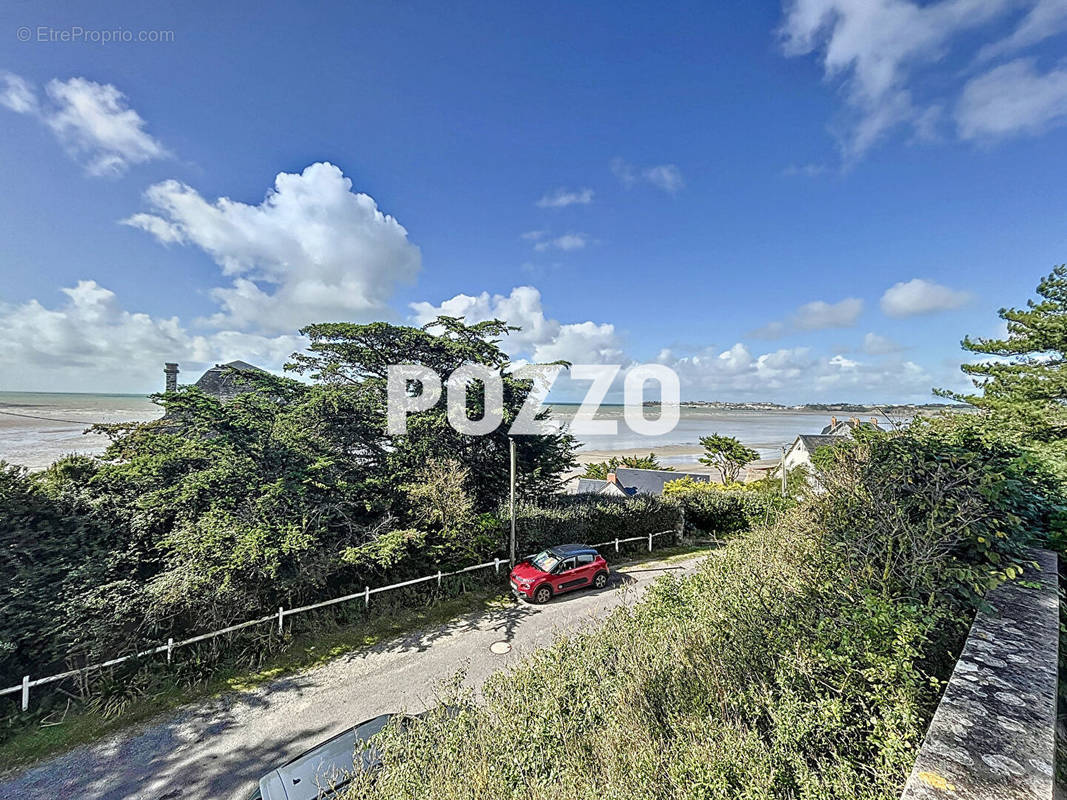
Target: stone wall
x=993 y=735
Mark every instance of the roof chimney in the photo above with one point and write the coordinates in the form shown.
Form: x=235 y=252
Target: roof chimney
x=833 y=422
x=170 y=369
x=874 y=421
x=612 y=478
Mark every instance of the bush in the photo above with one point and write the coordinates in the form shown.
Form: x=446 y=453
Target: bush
x=589 y=519
x=716 y=510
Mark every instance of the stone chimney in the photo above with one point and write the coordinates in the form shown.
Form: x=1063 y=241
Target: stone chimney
x=170 y=369
x=612 y=478
x=833 y=422
x=874 y=421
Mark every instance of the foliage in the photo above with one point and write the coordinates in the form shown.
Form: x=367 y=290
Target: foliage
x=588 y=519
x=727 y=454
x=804 y=659
x=1024 y=382
x=601 y=469
x=720 y=510
x=291 y=492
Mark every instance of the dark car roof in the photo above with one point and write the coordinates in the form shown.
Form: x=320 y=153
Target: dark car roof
x=564 y=550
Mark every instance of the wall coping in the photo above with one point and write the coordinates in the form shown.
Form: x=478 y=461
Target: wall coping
x=993 y=735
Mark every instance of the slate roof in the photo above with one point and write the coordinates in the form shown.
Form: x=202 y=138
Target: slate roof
x=589 y=486
x=651 y=481
x=225 y=381
x=813 y=442
x=845 y=427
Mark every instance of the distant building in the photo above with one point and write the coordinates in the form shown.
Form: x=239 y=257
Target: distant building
x=845 y=427
x=800 y=452
x=224 y=381
x=627 y=482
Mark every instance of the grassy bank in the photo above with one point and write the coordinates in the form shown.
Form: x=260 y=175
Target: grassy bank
x=306 y=650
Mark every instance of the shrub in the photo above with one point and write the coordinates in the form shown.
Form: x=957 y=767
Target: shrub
x=590 y=519
x=717 y=510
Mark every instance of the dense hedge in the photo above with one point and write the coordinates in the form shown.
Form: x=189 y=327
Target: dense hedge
x=721 y=513
x=589 y=519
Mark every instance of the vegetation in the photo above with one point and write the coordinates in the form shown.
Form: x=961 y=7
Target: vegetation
x=602 y=469
x=727 y=454
x=1023 y=380
x=803 y=660
x=290 y=493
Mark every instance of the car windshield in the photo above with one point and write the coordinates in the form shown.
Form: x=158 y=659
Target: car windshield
x=544 y=561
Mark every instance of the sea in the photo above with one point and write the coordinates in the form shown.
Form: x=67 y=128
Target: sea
x=36 y=428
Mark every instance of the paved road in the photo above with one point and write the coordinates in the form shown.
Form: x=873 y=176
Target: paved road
x=219 y=749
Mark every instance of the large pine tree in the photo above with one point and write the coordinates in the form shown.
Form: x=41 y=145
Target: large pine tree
x=1023 y=380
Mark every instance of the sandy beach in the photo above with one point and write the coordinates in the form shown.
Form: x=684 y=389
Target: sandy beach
x=38 y=428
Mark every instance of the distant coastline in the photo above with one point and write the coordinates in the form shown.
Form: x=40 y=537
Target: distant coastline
x=856 y=408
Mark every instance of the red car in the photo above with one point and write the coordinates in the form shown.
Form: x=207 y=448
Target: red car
x=559 y=569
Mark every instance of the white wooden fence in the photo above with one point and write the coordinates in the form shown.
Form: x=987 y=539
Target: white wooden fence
x=279 y=618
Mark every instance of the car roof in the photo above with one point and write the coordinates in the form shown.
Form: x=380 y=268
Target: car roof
x=327 y=766
x=564 y=550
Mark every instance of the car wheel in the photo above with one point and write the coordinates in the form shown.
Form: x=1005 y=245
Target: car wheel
x=601 y=580
x=542 y=595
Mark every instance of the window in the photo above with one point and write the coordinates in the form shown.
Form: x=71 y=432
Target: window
x=585 y=559
x=544 y=561
x=570 y=563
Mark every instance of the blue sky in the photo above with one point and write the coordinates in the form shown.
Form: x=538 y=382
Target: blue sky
x=801 y=203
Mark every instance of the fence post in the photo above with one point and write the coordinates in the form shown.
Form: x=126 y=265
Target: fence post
x=616 y=544
x=496 y=565
x=170 y=648
x=366 y=596
x=650 y=543
x=680 y=530
x=26 y=693
x=438 y=579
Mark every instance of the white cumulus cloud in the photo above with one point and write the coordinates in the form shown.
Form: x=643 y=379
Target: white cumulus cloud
x=541 y=339
x=313 y=250
x=91 y=120
x=90 y=342
x=920 y=296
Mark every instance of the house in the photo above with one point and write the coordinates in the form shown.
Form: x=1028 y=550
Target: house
x=224 y=381
x=799 y=453
x=627 y=482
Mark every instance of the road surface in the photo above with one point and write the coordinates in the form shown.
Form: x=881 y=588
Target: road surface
x=220 y=749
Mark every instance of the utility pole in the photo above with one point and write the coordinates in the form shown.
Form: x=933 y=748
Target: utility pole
x=511 y=443
x=783 y=470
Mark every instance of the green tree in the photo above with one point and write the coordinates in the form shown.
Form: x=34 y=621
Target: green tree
x=1024 y=383
x=601 y=469
x=727 y=454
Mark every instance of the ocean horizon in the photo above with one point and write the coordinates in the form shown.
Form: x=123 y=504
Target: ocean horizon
x=36 y=428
